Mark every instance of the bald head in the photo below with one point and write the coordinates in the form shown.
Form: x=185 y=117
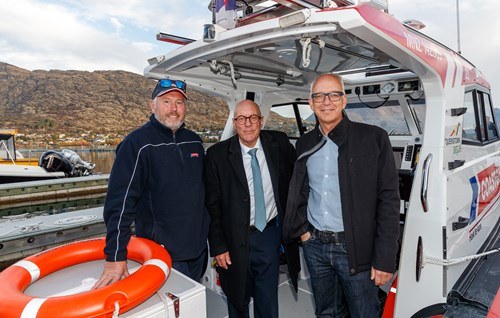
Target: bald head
x=249 y=123
x=246 y=105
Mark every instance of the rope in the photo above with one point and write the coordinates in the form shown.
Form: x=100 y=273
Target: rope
x=306 y=51
x=233 y=78
x=117 y=310
x=454 y=261
x=164 y=300
x=216 y=69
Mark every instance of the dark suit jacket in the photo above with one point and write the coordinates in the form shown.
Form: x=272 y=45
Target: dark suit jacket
x=228 y=202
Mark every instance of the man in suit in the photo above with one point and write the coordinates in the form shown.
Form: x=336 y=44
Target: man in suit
x=246 y=250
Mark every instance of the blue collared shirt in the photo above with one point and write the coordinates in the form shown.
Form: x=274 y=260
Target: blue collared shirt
x=324 y=209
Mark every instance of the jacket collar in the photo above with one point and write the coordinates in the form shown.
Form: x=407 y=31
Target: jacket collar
x=339 y=134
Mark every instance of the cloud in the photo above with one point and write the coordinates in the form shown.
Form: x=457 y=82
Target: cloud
x=117 y=34
x=91 y=35
x=116 y=23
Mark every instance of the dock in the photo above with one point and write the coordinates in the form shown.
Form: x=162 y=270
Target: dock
x=17 y=198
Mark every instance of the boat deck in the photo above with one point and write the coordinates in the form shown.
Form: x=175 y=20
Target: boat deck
x=291 y=304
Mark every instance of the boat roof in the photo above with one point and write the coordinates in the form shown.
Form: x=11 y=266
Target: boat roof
x=283 y=53
x=7 y=133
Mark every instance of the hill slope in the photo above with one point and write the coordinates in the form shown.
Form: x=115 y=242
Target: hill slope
x=75 y=102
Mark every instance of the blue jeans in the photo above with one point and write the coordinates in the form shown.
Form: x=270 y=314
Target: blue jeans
x=336 y=292
x=193 y=268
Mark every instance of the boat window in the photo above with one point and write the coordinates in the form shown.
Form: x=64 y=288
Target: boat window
x=293 y=119
x=389 y=117
x=418 y=110
x=469 y=130
x=479 y=122
x=7 y=147
x=480 y=114
x=491 y=128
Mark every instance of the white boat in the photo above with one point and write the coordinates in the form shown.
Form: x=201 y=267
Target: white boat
x=26 y=234
x=51 y=165
x=435 y=104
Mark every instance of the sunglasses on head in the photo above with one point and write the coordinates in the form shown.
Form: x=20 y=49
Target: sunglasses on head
x=167 y=83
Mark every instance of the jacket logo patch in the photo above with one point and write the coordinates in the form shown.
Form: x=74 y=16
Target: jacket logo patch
x=194 y=155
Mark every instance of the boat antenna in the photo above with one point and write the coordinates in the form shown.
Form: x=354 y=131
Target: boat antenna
x=213 y=11
x=458 y=28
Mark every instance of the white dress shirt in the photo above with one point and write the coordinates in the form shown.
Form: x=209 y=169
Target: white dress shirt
x=271 y=210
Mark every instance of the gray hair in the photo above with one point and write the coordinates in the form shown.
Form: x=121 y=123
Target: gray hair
x=335 y=76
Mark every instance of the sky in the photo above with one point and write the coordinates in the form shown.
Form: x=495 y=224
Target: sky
x=121 y=34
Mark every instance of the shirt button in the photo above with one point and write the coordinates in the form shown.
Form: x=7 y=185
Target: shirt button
x=327 y=158
x=326 y=176
x=352 y=270
x=324 y=193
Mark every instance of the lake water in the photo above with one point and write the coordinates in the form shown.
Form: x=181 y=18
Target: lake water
x=103 y=158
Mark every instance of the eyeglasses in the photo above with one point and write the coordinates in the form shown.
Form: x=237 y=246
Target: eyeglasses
x=332 y=96
x=241 y=120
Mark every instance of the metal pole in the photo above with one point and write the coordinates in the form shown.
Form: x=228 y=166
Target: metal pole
x=458 y=28
x=213 y=12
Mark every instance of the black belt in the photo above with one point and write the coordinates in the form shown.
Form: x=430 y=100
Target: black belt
x=327 y=237
x=270 y=223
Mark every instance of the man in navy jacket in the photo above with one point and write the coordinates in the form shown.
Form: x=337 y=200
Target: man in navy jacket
x=157 y=182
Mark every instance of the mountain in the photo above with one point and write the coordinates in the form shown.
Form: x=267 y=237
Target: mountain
x=75 y=103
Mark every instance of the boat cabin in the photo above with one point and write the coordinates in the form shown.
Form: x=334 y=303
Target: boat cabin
x=8 y=152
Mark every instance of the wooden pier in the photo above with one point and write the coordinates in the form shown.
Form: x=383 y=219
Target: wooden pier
x=15 y=196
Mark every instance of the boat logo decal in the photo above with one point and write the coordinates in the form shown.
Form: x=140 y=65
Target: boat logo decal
x=485 y=190
x=419 y=44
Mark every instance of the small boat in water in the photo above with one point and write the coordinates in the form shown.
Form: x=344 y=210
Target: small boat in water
x=51 y=165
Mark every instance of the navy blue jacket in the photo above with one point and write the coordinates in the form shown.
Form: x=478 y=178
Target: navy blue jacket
x=157 y=181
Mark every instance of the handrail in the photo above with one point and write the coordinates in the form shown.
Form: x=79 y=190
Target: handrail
x=425 y=182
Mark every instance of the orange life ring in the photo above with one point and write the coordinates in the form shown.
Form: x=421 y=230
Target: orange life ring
x=128 y=292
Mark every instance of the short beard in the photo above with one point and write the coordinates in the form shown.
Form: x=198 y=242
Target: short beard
x=171 y=126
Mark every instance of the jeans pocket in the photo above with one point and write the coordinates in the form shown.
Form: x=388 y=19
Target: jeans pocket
x=310 y=239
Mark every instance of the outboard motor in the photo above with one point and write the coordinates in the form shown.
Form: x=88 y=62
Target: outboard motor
x=66 y=161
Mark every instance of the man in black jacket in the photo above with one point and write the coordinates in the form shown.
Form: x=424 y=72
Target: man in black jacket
x=157 y=182
x=247 y=252
x=343 y=205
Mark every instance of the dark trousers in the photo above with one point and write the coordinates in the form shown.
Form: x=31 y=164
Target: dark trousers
x=193 y=268
x=262 y=276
